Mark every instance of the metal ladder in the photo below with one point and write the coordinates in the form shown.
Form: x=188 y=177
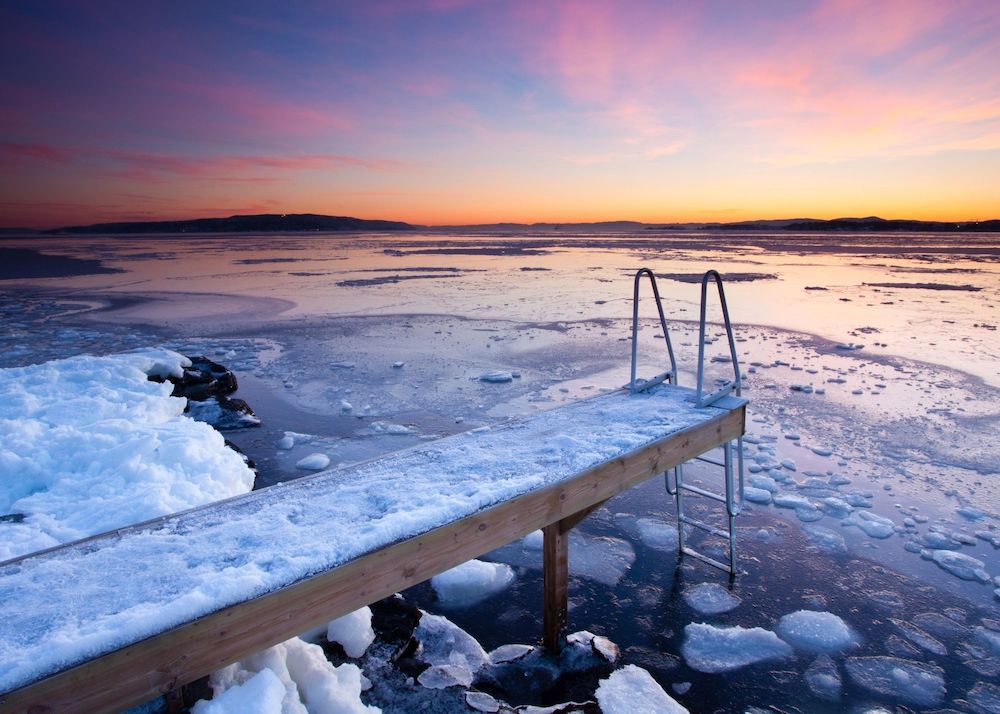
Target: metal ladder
x=732 y=451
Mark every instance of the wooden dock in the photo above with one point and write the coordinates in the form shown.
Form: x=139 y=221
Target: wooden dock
x=546 y=471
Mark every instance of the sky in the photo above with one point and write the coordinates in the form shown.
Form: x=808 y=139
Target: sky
x=444 y=112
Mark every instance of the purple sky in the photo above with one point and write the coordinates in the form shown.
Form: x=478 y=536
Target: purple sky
x=449 y=111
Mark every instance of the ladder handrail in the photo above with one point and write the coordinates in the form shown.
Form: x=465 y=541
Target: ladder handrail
x=730 y=386
x=671 y=374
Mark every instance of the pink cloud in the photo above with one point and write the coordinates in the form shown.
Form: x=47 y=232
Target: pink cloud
x=45 y=152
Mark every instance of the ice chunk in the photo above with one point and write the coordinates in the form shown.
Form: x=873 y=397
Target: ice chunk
x=710 y=599
x=632 y=690
x=823 y=679
x=788 y=464
x=985 y=697
x=384 y=427
x=756 y=495
x=343 y=365
x=313 y=462
x=305 y=675
x=720 y=649
x=398 y=365
x=820 y=632
x=657 y=534
x=509 y=653
x=821 y=451
x=826 y=539
x=353 y=631
x=496 y=377
x=440 y=676
x=286 y=442
x=603 y=559
x=263 y=693
x=471 y=582
x=958 y=564
x=482 y=702
x=920 y=638
x=871 y=523
x=534 y=540
x=443 y=642
x=909 y=681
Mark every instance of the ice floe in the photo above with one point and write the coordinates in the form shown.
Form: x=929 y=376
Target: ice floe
x=710 y=598
x=906 y=680
x=817 y=632
x=958 y=564
x=313 y=462
x=712 y=649
x=632 y=690
x=823 y=679
x=471 y=582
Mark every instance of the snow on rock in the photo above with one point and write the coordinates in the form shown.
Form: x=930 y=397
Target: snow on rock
x=713 y=649
x=585 y=649
x=632 y=690
x=823 y=679
x=306 y=676
x=471 y=582
x=871 y=523
x=710 y=599
x=496 y=377
x=909 y=681
x=353 y=631
x=262 y=693
x=811 y=631
x=313 y=462
x=958 y=564
x=89 y=444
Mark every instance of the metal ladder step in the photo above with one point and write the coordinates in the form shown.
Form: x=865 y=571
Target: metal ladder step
x=702 y=492
x=707 y=560
x=704 y=526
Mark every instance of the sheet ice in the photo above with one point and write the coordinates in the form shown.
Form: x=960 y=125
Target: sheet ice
x=89 y=444
x=720 y=649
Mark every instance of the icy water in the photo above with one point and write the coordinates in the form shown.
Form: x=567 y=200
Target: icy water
x=871 y=363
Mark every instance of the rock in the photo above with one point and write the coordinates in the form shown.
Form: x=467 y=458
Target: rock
x=203 y=379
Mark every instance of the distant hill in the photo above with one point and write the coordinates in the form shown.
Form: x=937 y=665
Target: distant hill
x=874 y=224
x=262 y=223
x=312 y=222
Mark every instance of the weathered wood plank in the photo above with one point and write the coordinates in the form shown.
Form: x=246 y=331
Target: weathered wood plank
x=154 y=666
x=555 y=585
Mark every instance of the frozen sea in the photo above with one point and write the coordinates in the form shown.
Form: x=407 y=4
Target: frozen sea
x=872 y=364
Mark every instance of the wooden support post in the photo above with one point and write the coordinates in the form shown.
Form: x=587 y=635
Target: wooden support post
x=555 y=574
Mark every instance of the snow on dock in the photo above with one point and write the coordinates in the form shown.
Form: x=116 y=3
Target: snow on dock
x=309 y=550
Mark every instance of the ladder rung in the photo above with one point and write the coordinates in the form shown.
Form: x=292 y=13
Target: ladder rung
x=707 y=460
x=705 y=527
x=642 y=385
x=723 y=391
x=705 y=559
x=703 y=492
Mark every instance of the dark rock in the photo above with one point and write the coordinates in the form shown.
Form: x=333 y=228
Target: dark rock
x=203 y=379
x=12 y=518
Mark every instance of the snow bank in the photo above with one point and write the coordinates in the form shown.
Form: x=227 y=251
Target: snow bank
x=471 y=582
x=89 y=444
x=632 y=690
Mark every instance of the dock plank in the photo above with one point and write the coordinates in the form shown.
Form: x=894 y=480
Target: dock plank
x=631 y=440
